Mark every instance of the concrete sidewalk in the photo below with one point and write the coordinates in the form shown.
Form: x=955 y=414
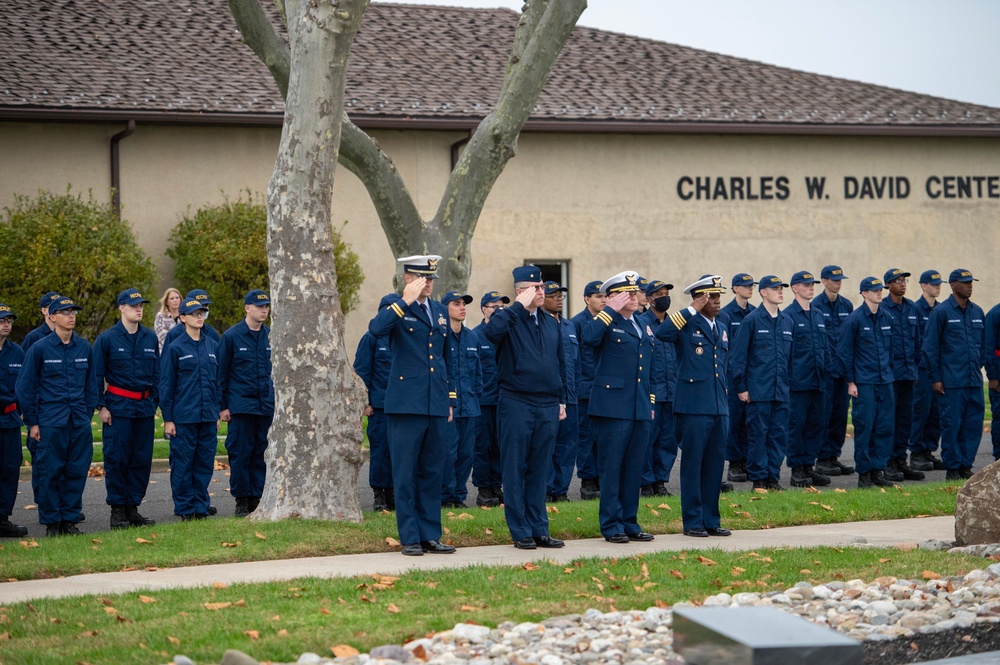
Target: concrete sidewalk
x=883 y=533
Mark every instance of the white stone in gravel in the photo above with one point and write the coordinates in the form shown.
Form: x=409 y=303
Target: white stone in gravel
x=182 y=660
x=994 y=570
x=976 y=576
x=527 y=628
x=308 y=658
x=886 y=607
x=551 y=659
x=471 y=633
x=823 y=592
x=746 y=598
x=601 y=644
x=718 y=600
x=781 y=599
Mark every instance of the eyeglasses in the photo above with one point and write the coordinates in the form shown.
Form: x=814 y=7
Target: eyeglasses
x=558 y=295
x=495 y=307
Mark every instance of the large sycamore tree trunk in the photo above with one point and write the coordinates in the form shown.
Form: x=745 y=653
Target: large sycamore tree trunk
x=315 y=452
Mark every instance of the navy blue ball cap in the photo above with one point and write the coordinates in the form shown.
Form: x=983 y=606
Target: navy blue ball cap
x=771 y=282
x=387 y=300
x=804 y=277
x=592 y=288
x=191 y=305
x=893 y=274
x=743 y=279
x=871 y=284
x=131 y=297
x=422 y=265
x=932 y=277
x=455 y=295
x=256 y=297
x=493 y=296
x=961 y=275
x=6 y=312
x=44 y=301
x=553 y=287
x=833 y=272
x=62 y=303
x=656 y=285
x=200 y=295
x=527 y=274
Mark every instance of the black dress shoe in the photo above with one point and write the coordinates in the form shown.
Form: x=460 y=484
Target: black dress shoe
x=696 y=533
x=413 y=550
x=525 y=544
x=641 y=537
x=82 y=517
x=719 y=531
x=548 y=541
x=618 y=538
x=436 y=547
x=10 y=530
x=212 y=510
x=726 y=488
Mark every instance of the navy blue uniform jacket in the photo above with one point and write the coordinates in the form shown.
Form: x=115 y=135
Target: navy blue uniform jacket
x=245 y=371
x=131 y=362
x=421 y=376
x=811 y=355
x=531 y=363
x=36 y=334
x=992 y=359
x=585 y=378
x=178 y=330
x=57 y=382
x=571 y=348
x=469 y=372
x=905 y=338
x=11 y=359
x=733 y=317
x=189 y=380
x=865 y=346
x=371 y=362
x=623 y=365
x=760 y=356
x=664 y=376
x=835 y=314
x=488 y=361
x=701 y=362
x=923 y=316
x=955 y=344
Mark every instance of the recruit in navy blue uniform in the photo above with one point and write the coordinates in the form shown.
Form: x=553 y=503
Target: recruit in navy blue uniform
x=11 y=359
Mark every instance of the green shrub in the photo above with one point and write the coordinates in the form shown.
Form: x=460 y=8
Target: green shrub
x=223 y=249
x=78 y=248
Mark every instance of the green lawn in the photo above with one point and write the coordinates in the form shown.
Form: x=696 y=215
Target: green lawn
x=193 y=543
x=278 y=621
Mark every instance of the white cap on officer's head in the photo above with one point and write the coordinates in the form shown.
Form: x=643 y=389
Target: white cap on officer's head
x=425 y=265
x=706 y=284
x=622 y=282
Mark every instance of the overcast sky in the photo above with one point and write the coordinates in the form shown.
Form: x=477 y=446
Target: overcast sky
x=946 y=48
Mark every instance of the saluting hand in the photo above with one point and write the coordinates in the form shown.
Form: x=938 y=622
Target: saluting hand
x=699 y=302
x=413 y=290
x=526 y=297
x=618 y=301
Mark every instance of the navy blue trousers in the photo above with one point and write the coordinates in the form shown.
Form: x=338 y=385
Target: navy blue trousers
x=416 y=447
x=128 y=456
x=902 y=395
x=767 y=439
x=962 y=411
x=805 y=427
x=662 y=450
x=10 y=468
x=926 y=429
x=32 y=447
x=62 y=459
x=192 y=461
x=994 y=428
x=486 y=459
x=586 y=454
x=737 y=441
x=246 y=442
x=874 y=417
x=564 y=453
x=458 y=459
x=835 y=431
x=527 y=436
x=379 y=467
x=702 y=440
x=621 y=453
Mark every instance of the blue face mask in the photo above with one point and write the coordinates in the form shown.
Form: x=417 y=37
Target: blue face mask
x=662 y=303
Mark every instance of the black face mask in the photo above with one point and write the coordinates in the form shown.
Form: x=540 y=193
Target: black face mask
x=662 y=303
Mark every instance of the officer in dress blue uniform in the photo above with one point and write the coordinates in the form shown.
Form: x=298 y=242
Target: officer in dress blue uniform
x=905 y=356
x=568 y=437
x=586 y=455
x=835 y=311
x=926 y=430
x=532 y=377
x=662 y=450
x=992 y=362
x=11 y=359
x=247 y=399
x=208 y=331
x=486 y=474
x=811 y=356
x=418 y=403
x=189 y=401
x=468 y=387
x=127 y=359
x=621 y=405
x=759 y=360
x=701 y=406
x=57 y=394
x=371 y=363
x=955 y=349
x=732 y=316
x=865 y=352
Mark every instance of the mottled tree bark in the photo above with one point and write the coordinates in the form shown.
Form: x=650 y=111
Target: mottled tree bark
x=315 y=451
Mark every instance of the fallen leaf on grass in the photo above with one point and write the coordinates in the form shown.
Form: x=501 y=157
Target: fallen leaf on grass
x=260 y=535
x=282 y=633
x=551 y=509
x=391 y=542
x=107 y=602
x=930 y=575
x=811 y=490
x=884 y=560
x=143 y=541
x=216 y=606
x=110 y=610
x=736 y=571
x=805 y=571
x=4 y=636
x=654 y=511
x=759 y=490
x=29 y=543
x=530 y=566
x=568 y=571
x=252 y=634
x=840 y=490
x=464 y=516
x=392 y=608
x=469 y=608
x=96 y=541
x=744 y=514
x=665 y=506
x=88 y=633
x=147 y=599
x=219 y=585
x=236 y=544
x=921 y=515
x=323 y=610
x=826 y=507
x=485 y=508
x=645 y=572
x=705 y=561
x=445 y=530
x=344 y=651
x=678 y=574
x=489 y=531
x=366 y=599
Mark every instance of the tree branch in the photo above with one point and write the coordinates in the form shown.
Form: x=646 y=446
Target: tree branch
x=259 y=34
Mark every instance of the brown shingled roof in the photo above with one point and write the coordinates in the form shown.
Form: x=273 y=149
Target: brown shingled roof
x=415 y=64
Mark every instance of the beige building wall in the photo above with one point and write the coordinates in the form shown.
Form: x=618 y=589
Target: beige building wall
x=604 y=203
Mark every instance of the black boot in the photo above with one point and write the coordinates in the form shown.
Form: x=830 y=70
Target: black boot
x=865 y=481
x=726 y=488
x=819 y=480
x=737 y=472
x=892 y=472
x=253 y=502
x=878 y=478
x=660 y=489
x=953 y=474
x=936 y=461
x=828 y=466
x=646 y=491
x=801 y=477
x=921 y=462
x=486 y=498
x=380 y=503
x=118 y=518
x=909 y=473
x=10 y=530
x=136 y=519
x=242 y=508
x=773 y=485
x=390 y=498
x=53 y=529
x=69 y=529
x=589 y=489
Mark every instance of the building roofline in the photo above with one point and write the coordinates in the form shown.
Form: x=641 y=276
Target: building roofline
x=554 y=126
